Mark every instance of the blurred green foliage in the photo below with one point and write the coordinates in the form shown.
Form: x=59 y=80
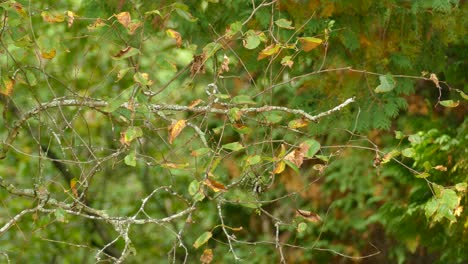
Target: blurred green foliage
x=386 y=184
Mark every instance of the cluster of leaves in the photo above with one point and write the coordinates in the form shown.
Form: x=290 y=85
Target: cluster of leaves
x=148 y=110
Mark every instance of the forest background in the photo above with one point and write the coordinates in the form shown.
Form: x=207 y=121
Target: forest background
x=233 y=131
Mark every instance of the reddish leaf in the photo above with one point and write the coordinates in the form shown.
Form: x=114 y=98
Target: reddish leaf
x=215 y=186
x=309 y=216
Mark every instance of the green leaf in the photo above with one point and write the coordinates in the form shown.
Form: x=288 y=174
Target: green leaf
x=182 y=10
x=234 y=146
x=450 y=103
x=202 y=239
x=461 y=187
x=153 y=12
x=194 y=187
x=142 y=78
x=199 y=196
x=292 y=166
x=210 y=49
x=251 y=40
x=301 y=227
x=200 y=152
x=408 y=152
x=322 y=157
x=313 y=148
x=130 y=159
x=273 y=117
x=415 y=139
x=283 y=23
x=116 y=102
x=234 y=28
x=252 y=160
x=399 y=135
x=242 y=99
x=387 y=83
x=422 y=175
x=60 y=215
x=31 y=78
x=222 y=96
x=132 y=133
x=122 y=73
x=234 y=114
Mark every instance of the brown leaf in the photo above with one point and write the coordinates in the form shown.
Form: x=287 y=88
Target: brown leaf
x=50 y=18
x=207 y=256
x=175 y=35
x=97 y=24
x=268 y=51
x=310 y=43
x=296 y=156
x=198 y=65
x=215 y=186
x=194 y=103
x=19 y=8
x=175 y=128
x=133 y=27
x=440 y=168
x=73 y=183
x=124 y=18
x=224 y=65
x=434 y=79
x=308 y=215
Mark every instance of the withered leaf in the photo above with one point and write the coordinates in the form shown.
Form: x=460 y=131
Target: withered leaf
x=215 y=186
x=308 y=215
x=198 y=65
x=175 y=128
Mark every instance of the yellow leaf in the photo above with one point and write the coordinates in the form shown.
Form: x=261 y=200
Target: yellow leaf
x=214 y=185
x=175 y=129
x=7 y=88
x=124 y=18
x=175 y=35
x=70 y=18
x=268 y=51
x=48 y=54
x=50 y=18
x=298 y=123
x=280 y=166
x=73 y=183
x=97 y=24
x=309 y=43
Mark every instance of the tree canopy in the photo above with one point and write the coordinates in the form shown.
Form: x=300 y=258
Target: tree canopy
x=257 y=131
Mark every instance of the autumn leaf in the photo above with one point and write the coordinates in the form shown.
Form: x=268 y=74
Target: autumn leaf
x=279 y=168
x=70 y=18
x=50 y=18
x=175 y=128
x=142 y=78
x=194 y=103
x=7 y=87
x=287 y=62
x=224 y=65
x=50 y=54
x=269 y=51
x=309 y=216
x=214 y=185
x=19 y=8
x=124 y=18
x=207 y=256
x=97 y=24
x=175 y=35
x=73 y=186
x=198 y=65
x=126 y=53
x=309 y=43
x=298 y=123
